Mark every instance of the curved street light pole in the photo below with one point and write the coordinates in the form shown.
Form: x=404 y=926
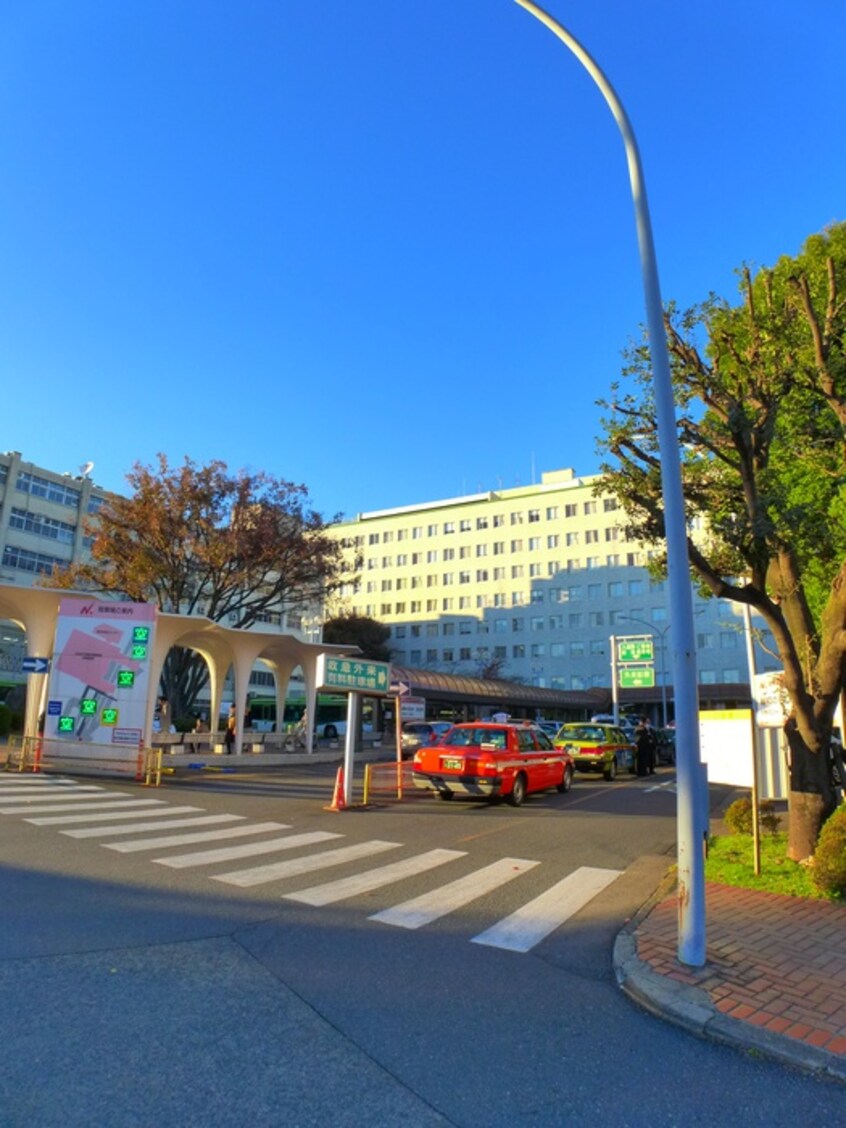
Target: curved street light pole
x=692 y=808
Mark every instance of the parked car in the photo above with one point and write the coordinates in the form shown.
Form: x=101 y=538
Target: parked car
x=416 y=733
x=549 y=727
x=597 y=747
x=492 y=760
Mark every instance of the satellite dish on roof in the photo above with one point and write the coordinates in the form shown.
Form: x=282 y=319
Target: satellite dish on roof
x=86 y=468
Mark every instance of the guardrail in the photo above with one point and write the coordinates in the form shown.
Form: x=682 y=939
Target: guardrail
x=46 y=754
x=391 y=780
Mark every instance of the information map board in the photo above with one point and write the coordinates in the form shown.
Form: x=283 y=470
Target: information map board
x=99 y=681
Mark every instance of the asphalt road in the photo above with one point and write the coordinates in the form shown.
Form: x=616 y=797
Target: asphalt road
x=156 y=975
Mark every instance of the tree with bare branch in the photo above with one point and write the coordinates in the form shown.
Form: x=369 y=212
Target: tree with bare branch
x=197 y=540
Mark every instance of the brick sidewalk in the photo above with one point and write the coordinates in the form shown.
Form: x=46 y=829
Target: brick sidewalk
x=775 y=962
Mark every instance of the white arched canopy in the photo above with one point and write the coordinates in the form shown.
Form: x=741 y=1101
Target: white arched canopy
x=35 y=610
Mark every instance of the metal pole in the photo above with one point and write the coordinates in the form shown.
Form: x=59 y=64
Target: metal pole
x=690 y=779
x=614 y=692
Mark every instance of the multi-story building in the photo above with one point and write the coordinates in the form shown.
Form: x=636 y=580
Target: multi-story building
x=529 y=583
x=42 y=518
x=41 y=527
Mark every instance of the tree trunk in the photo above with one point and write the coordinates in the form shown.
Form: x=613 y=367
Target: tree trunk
x=811 y=799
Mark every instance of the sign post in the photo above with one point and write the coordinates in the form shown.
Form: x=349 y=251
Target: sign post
x=360 y=677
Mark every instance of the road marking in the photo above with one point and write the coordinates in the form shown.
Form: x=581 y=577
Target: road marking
x=22 y=780
x=119 y=809
x=297 y=866
x=100 y=804
x=165 y=840
x=373 y=879
x=62 y=795
x=106 y=831
x=249 y=849
x=107 y=817
x=535 y=920
x=670 y=785
x=431 y=906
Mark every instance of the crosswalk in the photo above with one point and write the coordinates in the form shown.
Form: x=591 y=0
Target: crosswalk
x=125 y=824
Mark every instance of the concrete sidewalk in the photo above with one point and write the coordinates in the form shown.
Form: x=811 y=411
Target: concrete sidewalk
x=774 y=981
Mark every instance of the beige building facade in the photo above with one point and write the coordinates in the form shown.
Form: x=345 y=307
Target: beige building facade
x=530 y=583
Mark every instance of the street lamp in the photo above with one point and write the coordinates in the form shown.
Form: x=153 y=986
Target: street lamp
x=661 y=632
x=692 y=793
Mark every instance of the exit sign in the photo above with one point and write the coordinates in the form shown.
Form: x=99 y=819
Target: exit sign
x=637 y=677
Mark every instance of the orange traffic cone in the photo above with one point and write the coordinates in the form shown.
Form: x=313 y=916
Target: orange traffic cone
x=338 y=801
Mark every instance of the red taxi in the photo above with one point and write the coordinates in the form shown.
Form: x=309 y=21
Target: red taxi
x=488 y=760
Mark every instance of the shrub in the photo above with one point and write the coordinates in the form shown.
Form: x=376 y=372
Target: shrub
x=738 y=817
x=829 y=868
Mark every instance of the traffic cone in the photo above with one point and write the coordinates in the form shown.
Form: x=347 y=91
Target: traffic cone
x=338 y=802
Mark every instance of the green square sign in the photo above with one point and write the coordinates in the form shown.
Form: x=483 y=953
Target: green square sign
x=635 y=650
x=88 y=707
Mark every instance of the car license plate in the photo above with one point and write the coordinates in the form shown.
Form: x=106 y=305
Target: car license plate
x=453 y=765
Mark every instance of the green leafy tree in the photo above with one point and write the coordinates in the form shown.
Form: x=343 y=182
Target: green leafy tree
x=761 y=395
x=200 y=541
x=369 y=635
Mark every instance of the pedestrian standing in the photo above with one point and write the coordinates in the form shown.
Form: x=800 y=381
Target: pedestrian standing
x=231 y=727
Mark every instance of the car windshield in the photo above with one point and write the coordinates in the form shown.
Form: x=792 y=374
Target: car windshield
x=462 y=737
x=582 y=732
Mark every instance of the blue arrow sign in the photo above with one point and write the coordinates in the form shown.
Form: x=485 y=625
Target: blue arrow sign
x=35 y=665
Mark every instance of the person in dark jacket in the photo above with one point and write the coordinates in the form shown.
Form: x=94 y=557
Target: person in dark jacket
x=646 y=746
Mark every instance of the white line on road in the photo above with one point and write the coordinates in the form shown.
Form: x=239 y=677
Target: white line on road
x=374 y=879
x=535 y=920
x=111 y=831
x=62 y=795
x=297 y=866
x=165 y=840
x=431 y=906
x=119 y=809
x=107 y=817
x=100 y=804
x=250 y=849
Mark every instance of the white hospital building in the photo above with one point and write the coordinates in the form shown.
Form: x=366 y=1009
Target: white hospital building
x=531 y=581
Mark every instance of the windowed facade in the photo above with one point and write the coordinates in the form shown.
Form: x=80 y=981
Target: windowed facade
x=547 y=541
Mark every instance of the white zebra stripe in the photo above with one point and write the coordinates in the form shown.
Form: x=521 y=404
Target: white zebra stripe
x=102 y=804
x=59 y=820
x=373 y=879
x=113 y=831
x=200 y=836
x=535 y=920
x=250 y=849
x=431 y=906
x=119 y=809
x=297 y=866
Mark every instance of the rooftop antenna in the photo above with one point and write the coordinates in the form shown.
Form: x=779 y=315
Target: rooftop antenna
x=86 y=468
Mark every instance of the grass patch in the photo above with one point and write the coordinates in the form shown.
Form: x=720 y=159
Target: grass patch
x=731 y=862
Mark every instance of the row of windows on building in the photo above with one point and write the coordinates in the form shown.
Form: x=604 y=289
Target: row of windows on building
x=440 y=658
x=513 y=547
x=27 y=561
x=485 y=521
x=57 y=492
x=574 y=648
x=617 y=589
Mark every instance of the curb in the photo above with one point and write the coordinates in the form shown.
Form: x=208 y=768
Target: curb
x=691 y=1008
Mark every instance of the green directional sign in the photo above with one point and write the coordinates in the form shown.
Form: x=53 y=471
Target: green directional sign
x=357 y=674
x=126 y=679
x=88 y=707
x=139 y=652
x=140 y=634
x=66 y=724
x=109 y=716
x=637 y=677
x=635 y=650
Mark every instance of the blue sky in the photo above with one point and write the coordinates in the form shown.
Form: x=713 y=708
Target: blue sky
x=384 y=249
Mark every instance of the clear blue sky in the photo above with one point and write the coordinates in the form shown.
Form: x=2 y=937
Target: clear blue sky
x=383 y=249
